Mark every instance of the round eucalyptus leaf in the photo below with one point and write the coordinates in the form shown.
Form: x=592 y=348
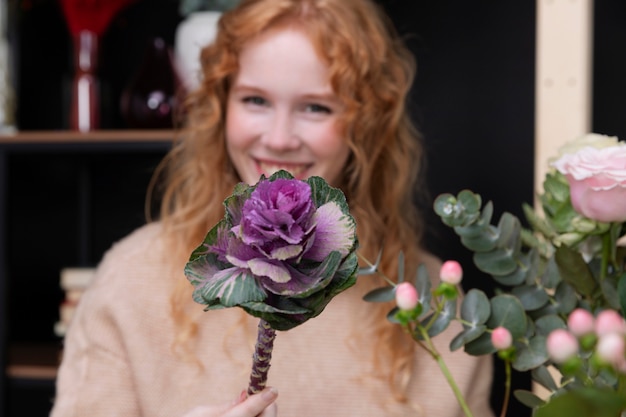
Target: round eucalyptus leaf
x=483 y=242
x=510 y=228
x=498 y=262
x=551 y=277
x=566 y=298
x=523 y=271
x=475 y=307
x=528 y=398
x=546 y=324
x=542 y=376
x=480 y=346
x=382 y=294
x=477 y=228
x=423 y=286
x=471 y=202
x=531 y=355
x=507 y=311
x=442 y=321
x=466 y=336
x=532 y=297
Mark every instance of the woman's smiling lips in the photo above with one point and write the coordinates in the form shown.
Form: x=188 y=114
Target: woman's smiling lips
x=269 y=167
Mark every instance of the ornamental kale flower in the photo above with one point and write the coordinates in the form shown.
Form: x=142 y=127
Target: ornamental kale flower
x=284 y=248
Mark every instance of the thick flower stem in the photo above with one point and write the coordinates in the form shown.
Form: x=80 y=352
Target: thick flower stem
x=262 y=357
x=507 y=394
x=446 y=372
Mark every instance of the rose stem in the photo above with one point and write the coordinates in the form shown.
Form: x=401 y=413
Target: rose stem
x=262 y=357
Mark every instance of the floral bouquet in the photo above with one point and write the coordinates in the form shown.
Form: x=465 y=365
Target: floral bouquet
x=283 y=250
x=560 y=299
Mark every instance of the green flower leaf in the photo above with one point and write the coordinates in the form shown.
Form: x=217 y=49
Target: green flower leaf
x=230 y=287
x=621 y=290
x=584 y=402
x=536 y=222
x=531 y=355
x=574 y=270
x=610 y=292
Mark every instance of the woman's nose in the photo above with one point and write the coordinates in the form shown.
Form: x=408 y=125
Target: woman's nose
x=281 y=133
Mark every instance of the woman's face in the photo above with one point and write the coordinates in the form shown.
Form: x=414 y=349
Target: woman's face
x=282 y=112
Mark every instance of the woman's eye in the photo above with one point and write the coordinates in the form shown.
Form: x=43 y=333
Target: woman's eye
x=318 y=108
x=256 y=100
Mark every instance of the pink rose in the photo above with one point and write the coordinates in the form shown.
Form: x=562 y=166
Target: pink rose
x=406 y=296
x=451 y=272
x=597 y=179
x=501 y=338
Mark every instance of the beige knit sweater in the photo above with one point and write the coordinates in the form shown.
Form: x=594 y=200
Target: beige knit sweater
x=118 y=358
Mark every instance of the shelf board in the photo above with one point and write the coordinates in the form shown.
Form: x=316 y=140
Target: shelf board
x=33 y=361
x=68 y=136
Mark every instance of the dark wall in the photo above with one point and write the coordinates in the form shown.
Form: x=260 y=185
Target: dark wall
x=473 y=101
x=609 y=67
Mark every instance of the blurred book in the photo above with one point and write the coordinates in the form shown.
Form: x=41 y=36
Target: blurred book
x=74 y=281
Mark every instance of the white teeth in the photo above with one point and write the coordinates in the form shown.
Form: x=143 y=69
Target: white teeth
x=269 y=169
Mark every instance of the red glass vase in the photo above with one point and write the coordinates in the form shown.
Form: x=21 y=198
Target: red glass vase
x=85 y=98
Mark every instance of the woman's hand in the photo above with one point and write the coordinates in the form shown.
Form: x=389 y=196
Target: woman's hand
x=258 y=405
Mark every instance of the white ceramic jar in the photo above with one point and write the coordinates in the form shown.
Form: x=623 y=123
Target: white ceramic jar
x=194 y=32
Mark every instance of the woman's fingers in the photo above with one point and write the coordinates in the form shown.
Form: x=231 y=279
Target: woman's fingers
x=258 y=405
x=261 y=404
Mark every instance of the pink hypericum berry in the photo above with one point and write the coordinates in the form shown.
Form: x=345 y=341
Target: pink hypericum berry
x=610 y=321
x=561 y=345
x=580 y=322
x=610 y=348
x=406 y=296
x=501 y=338
x=451 y=272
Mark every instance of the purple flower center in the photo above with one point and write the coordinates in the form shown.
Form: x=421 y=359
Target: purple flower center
x=278 y=213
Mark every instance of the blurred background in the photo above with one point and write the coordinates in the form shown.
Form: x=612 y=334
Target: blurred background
x=473 y=101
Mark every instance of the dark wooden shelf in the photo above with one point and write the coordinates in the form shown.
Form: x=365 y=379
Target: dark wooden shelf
x=68 y=136
x=33 y=361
